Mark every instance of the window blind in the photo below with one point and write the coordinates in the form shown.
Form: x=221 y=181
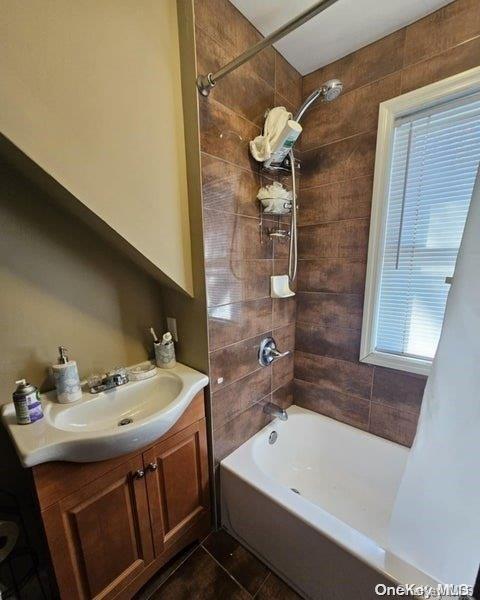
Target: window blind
x=435 y=158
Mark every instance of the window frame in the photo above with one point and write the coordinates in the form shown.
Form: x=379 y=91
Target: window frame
x=451 y=88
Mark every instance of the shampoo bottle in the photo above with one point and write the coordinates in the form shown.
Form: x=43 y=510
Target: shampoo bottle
x=67 y=381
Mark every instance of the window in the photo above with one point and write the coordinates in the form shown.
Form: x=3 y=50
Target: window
x=428 y=153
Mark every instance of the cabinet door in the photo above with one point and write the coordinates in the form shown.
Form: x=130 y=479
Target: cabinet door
x=100 y=536
x=177 y=483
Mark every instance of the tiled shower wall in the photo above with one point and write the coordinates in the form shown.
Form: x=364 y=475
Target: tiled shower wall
x=238 y=264
x=338 y=147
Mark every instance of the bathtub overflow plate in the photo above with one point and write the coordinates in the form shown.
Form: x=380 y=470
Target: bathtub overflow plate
x=272 y=438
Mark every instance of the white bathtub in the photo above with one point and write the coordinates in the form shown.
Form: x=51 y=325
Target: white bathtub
x=328 y=540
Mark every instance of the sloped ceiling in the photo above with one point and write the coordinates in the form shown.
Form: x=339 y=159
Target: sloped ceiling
x=343 y=28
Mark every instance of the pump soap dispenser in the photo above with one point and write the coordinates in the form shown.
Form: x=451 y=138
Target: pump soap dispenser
x=67 y=381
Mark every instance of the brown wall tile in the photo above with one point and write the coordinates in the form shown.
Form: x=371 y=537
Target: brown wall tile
x=234 y=237
x=230 y=323
x=350 y=199
x=288 y=81
x=397 y=389
x=281 y=101
x=339 y=161
x=327 y=341
x=330 y=310
x=241 y=90
x=451 y=25
x=238 y=430
x=229 y=188
x=340 y=239
x=394 y=425
x=284 y=311
x=364 y=66
x=237 y=397
x=285 y=337
x=353 y=112
x=282 y=370
x=348 y=409
x=354 y=379
x=229 y=28
x=283 y=396
x=234 y=362
x=225 y=134
x=331 y=275
x=453 y=61
x=235 y=280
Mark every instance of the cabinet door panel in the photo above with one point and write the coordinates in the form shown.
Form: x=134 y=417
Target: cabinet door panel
x=178 y=489
x=100 y=536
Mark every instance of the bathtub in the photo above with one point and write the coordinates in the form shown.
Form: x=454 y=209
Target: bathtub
x=315 y=506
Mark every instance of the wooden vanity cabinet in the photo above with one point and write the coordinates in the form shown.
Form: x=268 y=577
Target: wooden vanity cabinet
x=110 y=525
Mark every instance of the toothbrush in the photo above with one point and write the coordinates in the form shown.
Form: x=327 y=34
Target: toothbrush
x=154 y=335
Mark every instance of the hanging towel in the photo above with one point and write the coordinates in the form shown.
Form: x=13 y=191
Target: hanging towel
x=261 y=146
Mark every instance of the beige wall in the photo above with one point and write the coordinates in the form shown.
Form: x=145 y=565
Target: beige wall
x=61 y=284
x=91 y=92
x=191 y=313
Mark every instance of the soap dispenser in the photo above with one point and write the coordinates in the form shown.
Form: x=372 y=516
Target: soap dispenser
x=67 y=381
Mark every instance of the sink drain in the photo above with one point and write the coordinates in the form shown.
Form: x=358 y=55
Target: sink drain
x=296 y=491
x=125 y=422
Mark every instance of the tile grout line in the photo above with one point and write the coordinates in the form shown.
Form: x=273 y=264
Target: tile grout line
x=188 y=555
x=341 y=392
x=301 y=226
x=241 y=412
x=251 y=337
x=342 y=139
x=225 y=570
x=231 y=56
x=263 y=583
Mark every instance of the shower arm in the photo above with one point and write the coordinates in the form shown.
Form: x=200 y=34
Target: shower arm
x=206 y=82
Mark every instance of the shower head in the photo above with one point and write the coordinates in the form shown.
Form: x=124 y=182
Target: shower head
x=329 y=91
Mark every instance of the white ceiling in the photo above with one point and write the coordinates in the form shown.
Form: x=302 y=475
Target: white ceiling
x=343 y=28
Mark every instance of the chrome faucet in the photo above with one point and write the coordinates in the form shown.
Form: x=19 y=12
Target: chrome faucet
x=273 y=409
x=108 y=381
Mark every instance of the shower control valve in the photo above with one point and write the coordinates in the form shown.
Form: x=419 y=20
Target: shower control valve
x=268 y=352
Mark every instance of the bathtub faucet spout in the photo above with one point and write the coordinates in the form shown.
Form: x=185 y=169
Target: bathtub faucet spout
x=272 y=409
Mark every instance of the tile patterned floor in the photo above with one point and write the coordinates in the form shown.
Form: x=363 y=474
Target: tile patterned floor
x=218 y=568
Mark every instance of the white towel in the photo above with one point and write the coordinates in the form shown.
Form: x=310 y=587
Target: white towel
x=261 y=146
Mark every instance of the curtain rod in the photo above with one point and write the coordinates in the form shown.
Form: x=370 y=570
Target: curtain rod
x=206 y=82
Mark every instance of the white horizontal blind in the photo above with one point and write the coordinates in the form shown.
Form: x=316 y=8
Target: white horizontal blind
x=436 y=153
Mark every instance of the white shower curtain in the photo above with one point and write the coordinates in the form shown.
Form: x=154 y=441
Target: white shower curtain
x=435 y=523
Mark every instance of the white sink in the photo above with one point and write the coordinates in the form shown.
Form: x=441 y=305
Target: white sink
x=105 y=425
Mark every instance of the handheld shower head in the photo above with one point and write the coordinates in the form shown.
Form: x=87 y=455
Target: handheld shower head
x=329 y=91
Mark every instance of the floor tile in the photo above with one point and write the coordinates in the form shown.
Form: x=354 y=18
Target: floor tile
x=275 y=589
x=237 y=560
x=164 y=573
x=202 y=578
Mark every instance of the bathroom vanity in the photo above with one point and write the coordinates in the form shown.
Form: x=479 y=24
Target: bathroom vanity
x=121 y=478
x=112 y=524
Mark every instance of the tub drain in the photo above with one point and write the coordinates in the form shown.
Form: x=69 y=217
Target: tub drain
x=272 y=438
x=125 y=422
x=296 y=491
